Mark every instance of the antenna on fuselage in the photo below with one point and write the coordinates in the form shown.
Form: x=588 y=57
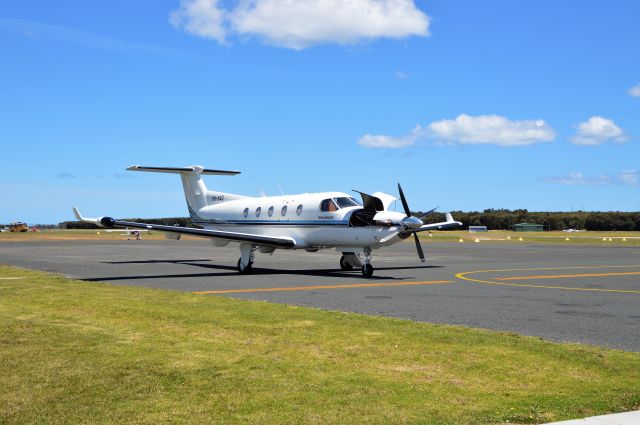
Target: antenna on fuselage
x=281 y=191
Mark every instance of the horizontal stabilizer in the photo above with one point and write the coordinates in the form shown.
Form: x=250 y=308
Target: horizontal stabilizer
x=179 y=170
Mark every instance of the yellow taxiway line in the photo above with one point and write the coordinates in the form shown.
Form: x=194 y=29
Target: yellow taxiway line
x=310 y=287
x=463 y=276
x=560 y=276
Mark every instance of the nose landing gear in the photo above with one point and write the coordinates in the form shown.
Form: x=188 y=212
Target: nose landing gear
x=351 y=260
x=367 y=270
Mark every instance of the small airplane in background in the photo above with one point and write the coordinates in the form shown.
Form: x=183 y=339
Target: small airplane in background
x=309 y=221
x=129 y=233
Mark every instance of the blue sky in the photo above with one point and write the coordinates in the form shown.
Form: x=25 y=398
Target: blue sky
x=470 y=105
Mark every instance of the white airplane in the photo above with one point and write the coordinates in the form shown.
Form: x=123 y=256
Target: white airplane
x=129 y=233
x=309 y=221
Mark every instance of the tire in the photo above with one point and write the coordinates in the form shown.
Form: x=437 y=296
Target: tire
x=246 y=269
x=344 y=265
x=367 y=270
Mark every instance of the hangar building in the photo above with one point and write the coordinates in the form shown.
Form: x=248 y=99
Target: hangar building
x=528 y=227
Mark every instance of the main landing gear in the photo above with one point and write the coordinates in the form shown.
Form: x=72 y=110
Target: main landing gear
x=344 y=264
x=244 y=268
x=351 y=260
x=245 y=262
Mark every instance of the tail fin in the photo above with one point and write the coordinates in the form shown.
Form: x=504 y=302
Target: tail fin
x=195 y=191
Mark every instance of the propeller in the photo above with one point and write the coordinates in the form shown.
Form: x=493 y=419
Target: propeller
x=410 y=223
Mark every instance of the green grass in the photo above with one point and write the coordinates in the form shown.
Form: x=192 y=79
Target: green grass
x=555 y=237
x=77 y=352
x=74 y=234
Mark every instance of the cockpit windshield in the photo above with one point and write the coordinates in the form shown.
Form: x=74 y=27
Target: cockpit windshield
x=345 y=202
x=328 y=205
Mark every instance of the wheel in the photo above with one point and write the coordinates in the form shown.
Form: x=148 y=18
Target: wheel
x=367 y=270
x=246 y=269
x=344 y=264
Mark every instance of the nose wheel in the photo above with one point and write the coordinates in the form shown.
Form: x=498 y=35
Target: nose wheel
x=367 y=268
x=355 y=260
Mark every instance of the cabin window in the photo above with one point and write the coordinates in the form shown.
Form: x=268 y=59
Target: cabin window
x=299 y=209
x=270 y=212
x=245 y=213
x=345 y=202
x=284 y=211
x=258 y=211
x=328 y=205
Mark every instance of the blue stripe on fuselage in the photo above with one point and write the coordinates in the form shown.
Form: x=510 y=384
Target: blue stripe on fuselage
x=276 y=223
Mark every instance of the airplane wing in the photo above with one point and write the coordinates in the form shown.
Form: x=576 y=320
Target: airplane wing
x=275 y=241
x=442 y=225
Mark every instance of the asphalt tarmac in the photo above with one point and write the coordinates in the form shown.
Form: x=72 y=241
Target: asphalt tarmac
x=586 y=294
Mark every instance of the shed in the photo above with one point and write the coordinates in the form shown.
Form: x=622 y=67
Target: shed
x=528 y=227
x=475 y=229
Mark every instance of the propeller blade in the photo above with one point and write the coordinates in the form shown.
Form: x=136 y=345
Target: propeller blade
x=408 y=213
x=418 y=247
x=404 y=201
x=428 y=212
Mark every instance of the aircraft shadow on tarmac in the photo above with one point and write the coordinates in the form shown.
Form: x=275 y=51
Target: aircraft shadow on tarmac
x=256 y=271
x=151 y=261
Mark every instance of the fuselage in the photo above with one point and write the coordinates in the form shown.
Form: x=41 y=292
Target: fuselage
x=313 y=220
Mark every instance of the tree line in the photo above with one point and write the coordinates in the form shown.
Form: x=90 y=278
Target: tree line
x=494 y=219
x=503 y=219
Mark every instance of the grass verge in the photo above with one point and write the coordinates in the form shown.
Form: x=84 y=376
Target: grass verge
x=555 y=237
x=78 y=234
x=78 y=352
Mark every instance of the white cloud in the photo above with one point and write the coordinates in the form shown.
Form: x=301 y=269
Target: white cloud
x=598 y=130
x=578 y=179
x=200 y=17
x=634 y=91
x=302 y=23
x=401 y=75
x=383 y=141
x=626 y=178
x=465 y=129
x=629 y=177
x=491 y=130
